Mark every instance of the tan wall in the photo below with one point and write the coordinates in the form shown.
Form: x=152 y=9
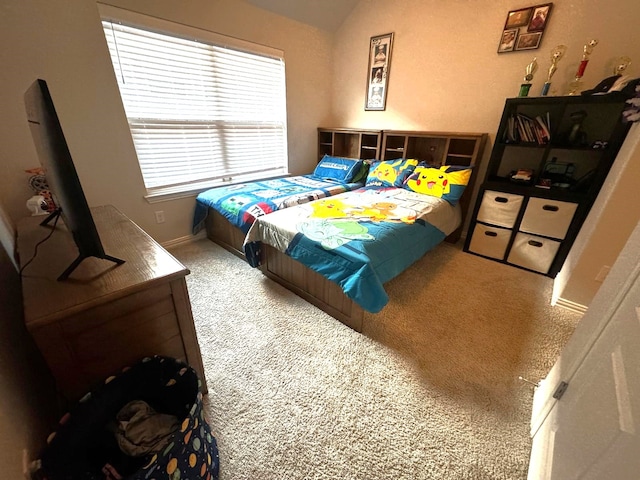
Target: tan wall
x=446 y=74
x=612 y=219
x=28 y=409
x=63 y=43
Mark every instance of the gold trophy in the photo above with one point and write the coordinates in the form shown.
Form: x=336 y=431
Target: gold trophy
x=577 y=82
x=556 y=54
x=529 y=71
x=622 y=64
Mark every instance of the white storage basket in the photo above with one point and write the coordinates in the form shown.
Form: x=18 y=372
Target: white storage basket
x=532 y=252
x=550 y=218
x=499 y=208
x=489 y=241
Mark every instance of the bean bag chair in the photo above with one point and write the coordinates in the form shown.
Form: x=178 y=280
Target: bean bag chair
x=89 y=441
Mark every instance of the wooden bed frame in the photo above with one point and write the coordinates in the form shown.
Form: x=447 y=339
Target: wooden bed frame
x=309 y=284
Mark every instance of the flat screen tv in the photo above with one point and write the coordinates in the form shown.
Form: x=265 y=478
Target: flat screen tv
x=62 y=177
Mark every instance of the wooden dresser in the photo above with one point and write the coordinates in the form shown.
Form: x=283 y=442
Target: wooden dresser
x=105 y=316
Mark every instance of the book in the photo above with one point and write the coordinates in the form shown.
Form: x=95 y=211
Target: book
x=544 y=129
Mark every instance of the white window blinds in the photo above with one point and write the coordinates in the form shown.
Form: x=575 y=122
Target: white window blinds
x=199 y=113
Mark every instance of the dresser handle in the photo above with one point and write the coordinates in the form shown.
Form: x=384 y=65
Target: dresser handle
x=490 y=234
x=550 y=208
x=501 y=199
x=533 y=243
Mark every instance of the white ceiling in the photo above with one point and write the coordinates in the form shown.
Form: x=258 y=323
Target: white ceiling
x=324 y=14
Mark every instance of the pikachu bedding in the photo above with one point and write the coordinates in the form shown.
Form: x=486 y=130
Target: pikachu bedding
x=358 y=239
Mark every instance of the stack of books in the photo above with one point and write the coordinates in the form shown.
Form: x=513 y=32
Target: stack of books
x=524 y=129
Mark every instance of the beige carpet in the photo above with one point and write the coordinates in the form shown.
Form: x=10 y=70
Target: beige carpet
x=429 y=390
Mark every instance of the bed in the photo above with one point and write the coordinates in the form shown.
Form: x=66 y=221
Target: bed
x=438 y=149
x=228 y=212
x=338 y=252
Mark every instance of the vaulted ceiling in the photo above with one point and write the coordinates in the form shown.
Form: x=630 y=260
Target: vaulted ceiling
x=324 y=14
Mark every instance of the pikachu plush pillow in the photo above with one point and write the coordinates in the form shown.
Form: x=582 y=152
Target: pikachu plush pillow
x=390 y=173
x=447 y=182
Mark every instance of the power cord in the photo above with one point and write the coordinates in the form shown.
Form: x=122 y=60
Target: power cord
x=35 y=249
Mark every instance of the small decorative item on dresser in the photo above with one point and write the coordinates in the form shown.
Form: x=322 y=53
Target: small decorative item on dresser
x=529 y=71
x=556 y=54
x=577 y=82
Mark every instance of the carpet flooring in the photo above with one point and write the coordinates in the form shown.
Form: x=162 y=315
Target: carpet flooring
x=428 y=390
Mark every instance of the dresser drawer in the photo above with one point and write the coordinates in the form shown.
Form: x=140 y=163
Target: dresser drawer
x=499 y=208
x=550 y=218
x=532 y=252
x=490 y=241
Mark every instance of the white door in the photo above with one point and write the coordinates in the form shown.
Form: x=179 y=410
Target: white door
x=593 y=430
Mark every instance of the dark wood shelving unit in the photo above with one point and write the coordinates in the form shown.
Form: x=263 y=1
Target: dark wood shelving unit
x=533 y=224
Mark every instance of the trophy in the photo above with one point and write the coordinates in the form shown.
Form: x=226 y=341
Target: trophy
x=577 y=82
x=556 y=54
x=529 y=71
x=621 y=81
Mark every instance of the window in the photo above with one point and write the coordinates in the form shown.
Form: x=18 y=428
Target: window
x=201 y=112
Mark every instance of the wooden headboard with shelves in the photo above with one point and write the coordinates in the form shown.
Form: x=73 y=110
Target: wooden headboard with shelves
x=434 y=148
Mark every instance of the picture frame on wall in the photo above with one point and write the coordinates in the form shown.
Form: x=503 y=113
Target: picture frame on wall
x=539 y=18
x=528 y=41
x=508 y=40
x=518 y=18
x=523 y=28
x=380 y=48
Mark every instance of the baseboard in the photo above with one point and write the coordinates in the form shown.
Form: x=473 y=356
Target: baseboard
x=569 y=305
x=183 y=240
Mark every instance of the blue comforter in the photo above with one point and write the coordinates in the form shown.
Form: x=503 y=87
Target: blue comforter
x=359 y=239
x=241 y=204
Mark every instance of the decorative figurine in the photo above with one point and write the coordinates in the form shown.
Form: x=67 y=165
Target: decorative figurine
x=40 y=187
x=556 y=54
x=577 y=136
x=529 y=71
x=577 y=82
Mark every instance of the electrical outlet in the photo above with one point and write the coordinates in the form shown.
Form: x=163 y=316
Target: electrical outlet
x=159 y=216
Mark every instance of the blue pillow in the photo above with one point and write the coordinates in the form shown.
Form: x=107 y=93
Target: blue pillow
x=338 y=168
x=390 y=173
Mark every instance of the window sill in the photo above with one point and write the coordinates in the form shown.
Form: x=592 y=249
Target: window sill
x=166 y=194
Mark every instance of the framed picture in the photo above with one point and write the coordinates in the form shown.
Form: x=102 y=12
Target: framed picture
x=378 y=71
x=539 y=18
x=528 y=41
x=508 y=40
x=523 y=28
x=518 y=18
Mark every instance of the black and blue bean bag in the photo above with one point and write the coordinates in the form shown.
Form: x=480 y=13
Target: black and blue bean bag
x=84 y=446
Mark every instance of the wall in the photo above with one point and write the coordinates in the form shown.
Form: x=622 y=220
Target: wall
x=28 y=408
x=446 y=75
x=63 y=43
x=445 y=71
x=610 y=222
